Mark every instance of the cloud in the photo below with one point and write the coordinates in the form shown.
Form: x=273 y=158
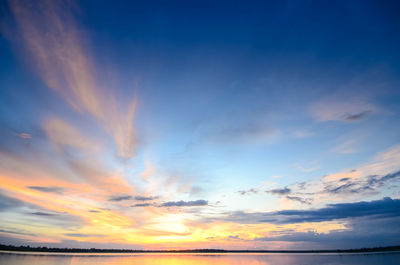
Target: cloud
x=44 y=214
x=377 y=177
x=233 y=237
x=90 y=170
x=15 y=232
x=63 y=134
x=306 y=169
x=30 y=208
x=357 y=116
x=120 y=198
x=184 y=203
x=299 y=199
x=243 y=132
x=339 y=109
x=82 y=235
x=56 y=45
x=9 y=203
x=283 y=191
x=173 y=204
x=301 y=134
x=248 y=192
x=56 y=190
x=143 y=205
x=384 y=208
x=24 y=135
x=144 y=198
x=349 y=146
x=377 y=180
x=359 y=232
x=356 y=186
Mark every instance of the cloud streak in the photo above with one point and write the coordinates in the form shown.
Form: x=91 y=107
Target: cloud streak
x=144 y=198
x=56 y=190
x=120 y=198
x=184 y=203
x=283 y=191
x=56 y=46
x=384 y=208
x=338 y=109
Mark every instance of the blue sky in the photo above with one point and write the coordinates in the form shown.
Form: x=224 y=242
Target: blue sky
x=208 y=108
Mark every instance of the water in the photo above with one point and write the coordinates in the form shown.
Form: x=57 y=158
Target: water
x=200 y=259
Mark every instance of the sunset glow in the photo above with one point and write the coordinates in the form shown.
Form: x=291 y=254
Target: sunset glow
x=148 y=125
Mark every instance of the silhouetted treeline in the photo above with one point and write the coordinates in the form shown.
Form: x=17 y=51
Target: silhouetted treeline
x=96 y=250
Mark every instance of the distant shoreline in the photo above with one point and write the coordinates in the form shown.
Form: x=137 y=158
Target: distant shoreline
x=10 y=248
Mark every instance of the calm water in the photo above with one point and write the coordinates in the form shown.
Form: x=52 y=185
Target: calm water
x=201 y=259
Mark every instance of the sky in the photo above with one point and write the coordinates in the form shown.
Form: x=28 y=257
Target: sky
x=200 y=124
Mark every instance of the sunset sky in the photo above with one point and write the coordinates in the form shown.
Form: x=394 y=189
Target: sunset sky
x=200 y=124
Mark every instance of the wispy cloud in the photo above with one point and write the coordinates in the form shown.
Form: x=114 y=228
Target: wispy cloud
x=339 y=109
x=378 y=176
x=300 y=199
x=145 y=198
x=348 y=146
x=357 y=116
x=120 y=198
x=248 y=192
x=44 y=214
x=310 y=168
x=63 y=62
x=24 y=135
x=57 y=190
x=63 y=134
x=301 y=134
x=83 y=235
x=143 y=205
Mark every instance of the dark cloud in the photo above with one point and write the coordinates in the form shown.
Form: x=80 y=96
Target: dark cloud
x=356 y=186
x=44 y=214
x=248 y=192
x=94 y=211
x=386 y=207
x=380 y=208
x=299 y=199
x=376 y=180
x=347 y=188
x=57 y=190
x=82 y=235
x=283 y=191
x=120 y=198
x=357 y=116
x=142 y=205
x=58 y=219
x=144 y=198
x=359 y=232
x=24 y=208
x=184 y=203
x=16 y=232
x=173 y=204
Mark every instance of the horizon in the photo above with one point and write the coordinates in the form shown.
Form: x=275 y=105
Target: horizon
x=116 y=250
x=200 y=125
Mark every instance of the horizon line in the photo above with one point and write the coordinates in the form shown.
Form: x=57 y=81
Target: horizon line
x=28 y=248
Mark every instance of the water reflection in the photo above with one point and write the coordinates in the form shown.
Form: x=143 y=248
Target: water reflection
x=194 y=259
